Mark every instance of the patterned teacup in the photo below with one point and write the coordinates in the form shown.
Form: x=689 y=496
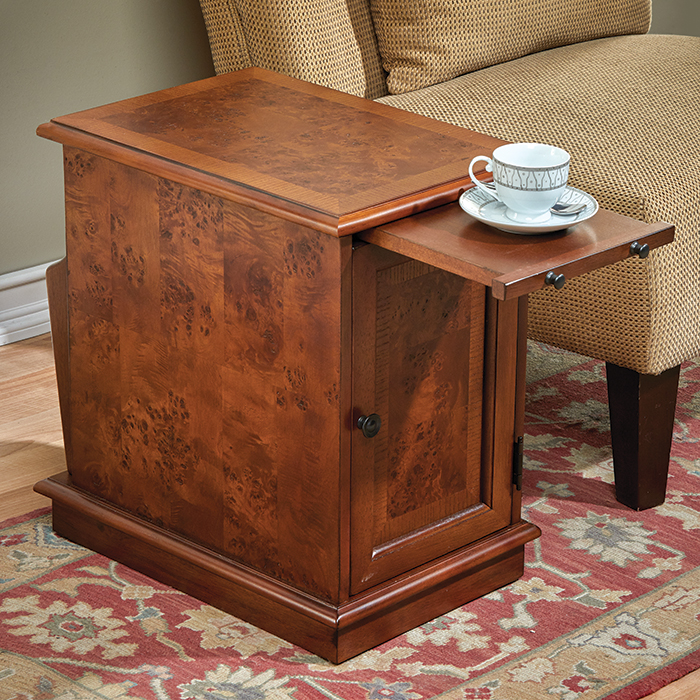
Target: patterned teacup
x=529 y=179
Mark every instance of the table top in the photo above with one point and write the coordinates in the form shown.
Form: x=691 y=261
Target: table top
x=339 y=162
x=509 y=263
x=342 y=165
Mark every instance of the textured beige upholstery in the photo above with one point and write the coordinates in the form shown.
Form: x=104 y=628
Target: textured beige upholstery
x=425 y=42
x=626 y=107
x=328 y=42
x=630 y=117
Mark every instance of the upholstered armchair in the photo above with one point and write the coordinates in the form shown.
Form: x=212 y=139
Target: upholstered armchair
x=583 y=76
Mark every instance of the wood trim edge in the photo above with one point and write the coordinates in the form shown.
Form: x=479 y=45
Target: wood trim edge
x=190 y=177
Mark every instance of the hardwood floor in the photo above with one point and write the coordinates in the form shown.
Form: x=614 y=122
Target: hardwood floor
x=31 y=442
x=31 y=448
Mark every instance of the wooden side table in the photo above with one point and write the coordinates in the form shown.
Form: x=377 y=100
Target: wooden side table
x=291 y=370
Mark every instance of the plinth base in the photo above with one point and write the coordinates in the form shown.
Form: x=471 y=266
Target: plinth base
x=334 y=632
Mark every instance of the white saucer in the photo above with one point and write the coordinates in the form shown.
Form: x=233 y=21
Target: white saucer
x=492 y=212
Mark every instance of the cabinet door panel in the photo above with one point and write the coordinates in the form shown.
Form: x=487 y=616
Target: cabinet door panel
x=423 y=486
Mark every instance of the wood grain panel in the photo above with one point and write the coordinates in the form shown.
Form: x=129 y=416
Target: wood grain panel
x=423 y=378
x=252 y=385
x=306 y=152
x=269 y=145
x=282 y=398
x=419 y=485
x=144 y=309
x=187 y=380
x=203 y=335
x=95 y=392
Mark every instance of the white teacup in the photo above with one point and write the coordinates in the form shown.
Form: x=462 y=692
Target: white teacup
x=529 y=179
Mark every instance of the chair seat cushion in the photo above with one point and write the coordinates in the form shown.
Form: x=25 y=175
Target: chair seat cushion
x=627 y=109
x=425 y=42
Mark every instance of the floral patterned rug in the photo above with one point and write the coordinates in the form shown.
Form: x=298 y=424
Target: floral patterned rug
x=608 y=607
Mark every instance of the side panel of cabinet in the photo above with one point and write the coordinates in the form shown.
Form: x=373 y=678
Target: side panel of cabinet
x=205 y=378
x=426 y=484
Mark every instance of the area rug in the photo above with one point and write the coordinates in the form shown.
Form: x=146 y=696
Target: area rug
x=608 y=607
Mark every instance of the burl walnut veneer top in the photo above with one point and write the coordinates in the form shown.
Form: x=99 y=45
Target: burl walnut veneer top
x=338 y=162
x=342 y=165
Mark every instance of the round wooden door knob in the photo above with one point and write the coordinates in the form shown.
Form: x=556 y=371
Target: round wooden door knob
x=369 y=425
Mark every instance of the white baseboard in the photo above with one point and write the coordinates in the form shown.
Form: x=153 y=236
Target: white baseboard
x=24 y=305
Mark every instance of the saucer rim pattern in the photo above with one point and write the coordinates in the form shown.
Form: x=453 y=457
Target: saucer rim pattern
x=475 y=202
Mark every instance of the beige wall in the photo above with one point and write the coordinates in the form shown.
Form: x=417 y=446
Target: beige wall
x=676 y=17
x=60 y=56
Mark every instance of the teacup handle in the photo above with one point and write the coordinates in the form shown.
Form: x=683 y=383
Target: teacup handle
x=491 y=191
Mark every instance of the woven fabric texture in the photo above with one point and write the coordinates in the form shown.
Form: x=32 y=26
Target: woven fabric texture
x=425 y=42
x=327 y=42
x=626 y=108
x=226 y=40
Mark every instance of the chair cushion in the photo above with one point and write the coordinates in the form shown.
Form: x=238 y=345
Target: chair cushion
x=425 y=42
x=631 y=125
x=327 y=42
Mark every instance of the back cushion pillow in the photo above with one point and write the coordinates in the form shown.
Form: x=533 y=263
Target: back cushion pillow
x=329 y=42
x=424 y=42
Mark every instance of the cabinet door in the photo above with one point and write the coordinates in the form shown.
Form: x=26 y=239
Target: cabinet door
x=434 y=478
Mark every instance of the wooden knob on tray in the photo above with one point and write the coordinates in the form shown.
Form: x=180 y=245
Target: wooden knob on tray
x=556 y=280
x=640 y=249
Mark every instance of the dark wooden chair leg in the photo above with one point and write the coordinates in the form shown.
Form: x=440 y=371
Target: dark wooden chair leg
x=642 y=409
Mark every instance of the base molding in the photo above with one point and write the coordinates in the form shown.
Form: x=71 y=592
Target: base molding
x=334 y=632
x=24 y=308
